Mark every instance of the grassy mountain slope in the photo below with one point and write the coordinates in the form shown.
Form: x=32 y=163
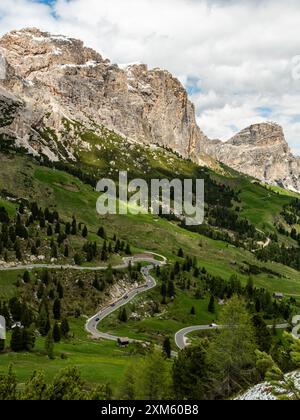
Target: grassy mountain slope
x=68 y=189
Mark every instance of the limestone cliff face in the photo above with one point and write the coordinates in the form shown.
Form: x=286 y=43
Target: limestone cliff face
x=260 y=151
x=57 y=77
x=47 y=81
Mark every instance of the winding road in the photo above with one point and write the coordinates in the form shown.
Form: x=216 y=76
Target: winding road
x=150 y=282
x=181 y=339
x=92 y=323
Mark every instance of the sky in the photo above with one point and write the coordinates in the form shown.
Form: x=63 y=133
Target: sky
x=239 y=60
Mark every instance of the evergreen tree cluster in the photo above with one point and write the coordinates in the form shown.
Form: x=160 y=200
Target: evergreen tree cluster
x=186 y=275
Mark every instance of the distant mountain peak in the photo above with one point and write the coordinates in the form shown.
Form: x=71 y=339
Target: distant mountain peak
x=267 y=133
x=56 y=78
x=261 y=151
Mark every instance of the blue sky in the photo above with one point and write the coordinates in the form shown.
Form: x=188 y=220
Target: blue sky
x=239 y=60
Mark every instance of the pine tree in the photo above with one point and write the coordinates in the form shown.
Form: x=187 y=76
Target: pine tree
x=40 y=291
x=19 y=255
x=51 y=294
x=60 y=290
x=167 y=347
x=123 y=317
x=101 y=233
x=66 y=252
x=104 y=255
x=2 y=345
x=43 y=321
x=250 y=288
x=68 y=228
x=180 y=253
x=54 y=253
x=85 y=232
x=57 y=228
x=128 y=250
x=74 y=227
x=164 y=292
x=231 y=354
x=16 y=342
x=56 y=333
x=12 y=234
x=42 y=222
x=49 y=345
x=57 y=309
x=77 y=259
x=117 y=246
x=191 y=373
x=49 y=230
x=28 y=339
x=171 y=289
x=211 y=305
x=262 y=333
x=26 y=277
x=96 y=283
x=21 y=208
x=64 y=328
x=33 y=250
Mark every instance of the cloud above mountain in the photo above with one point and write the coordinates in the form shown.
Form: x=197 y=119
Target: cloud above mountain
x=238 y=59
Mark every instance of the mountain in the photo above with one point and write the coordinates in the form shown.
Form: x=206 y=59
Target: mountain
x=262 y=152
x=55 y=90
x=51 y=79
x=82 y=119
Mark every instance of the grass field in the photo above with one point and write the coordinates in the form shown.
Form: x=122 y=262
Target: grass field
x=175 y=316
x=99 y=362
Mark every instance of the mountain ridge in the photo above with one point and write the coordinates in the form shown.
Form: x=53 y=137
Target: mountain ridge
x=69 y=80
x=52 y=80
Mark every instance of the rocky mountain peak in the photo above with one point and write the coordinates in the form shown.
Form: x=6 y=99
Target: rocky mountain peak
x=59 y=76
x=260 y=135
x=30 y=51
x=52 y=78
x=261 y=151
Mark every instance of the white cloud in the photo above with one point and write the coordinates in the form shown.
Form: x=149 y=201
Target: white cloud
x=235 y=56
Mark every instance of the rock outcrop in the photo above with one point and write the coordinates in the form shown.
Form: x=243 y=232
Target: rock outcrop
x=57 y=77
x=51 y=84
x=262 y=152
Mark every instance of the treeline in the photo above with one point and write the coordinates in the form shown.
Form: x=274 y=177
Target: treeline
x=27 y=320
x=67 y=385
x=201 y=283
x=291 y=212
x=22 y=236
x=233 y=359
x=293 y=233
x=236 y=231
x=281 y=254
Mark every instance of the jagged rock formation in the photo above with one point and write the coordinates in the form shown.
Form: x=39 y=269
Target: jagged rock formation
x=57 y=78
x=260 y=151
x=53 y=87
